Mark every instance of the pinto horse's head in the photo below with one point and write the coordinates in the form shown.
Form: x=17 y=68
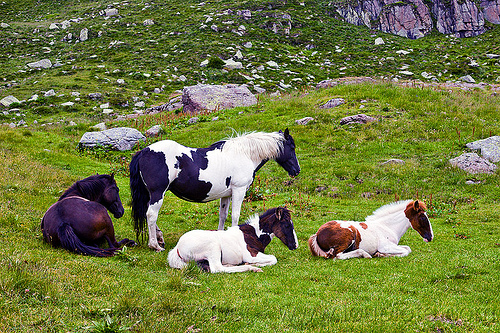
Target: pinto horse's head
x=415 y=212
x=287 y=158
x=279 y=222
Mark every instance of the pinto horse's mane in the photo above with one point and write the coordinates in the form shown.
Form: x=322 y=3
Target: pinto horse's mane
x=256 y=145
x=388 y=209
x=89 y=188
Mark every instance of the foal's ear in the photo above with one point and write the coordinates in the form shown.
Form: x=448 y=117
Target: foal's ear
x=287 y=133
x=279 y=212
x=416 y=205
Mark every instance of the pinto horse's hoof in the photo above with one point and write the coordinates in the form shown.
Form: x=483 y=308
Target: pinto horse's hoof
x=157 y=248
x=256 y=269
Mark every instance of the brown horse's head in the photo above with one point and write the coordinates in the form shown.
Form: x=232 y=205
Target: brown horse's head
x=99 y=188
x=415 y=212
x=111 y=198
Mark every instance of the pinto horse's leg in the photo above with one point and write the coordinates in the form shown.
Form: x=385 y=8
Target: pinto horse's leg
x=237 y=197
x=394 y=250
x=216 y=266
x=359 y=253
x=223 y=211
x=155 y=234
x=262 y=259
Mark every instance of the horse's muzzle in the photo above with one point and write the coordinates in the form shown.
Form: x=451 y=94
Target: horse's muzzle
x=428 y=238
x=118 y=213
x=294 y=172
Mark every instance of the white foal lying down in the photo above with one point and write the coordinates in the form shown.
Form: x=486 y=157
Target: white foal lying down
x=226 y=250
x=378 y=236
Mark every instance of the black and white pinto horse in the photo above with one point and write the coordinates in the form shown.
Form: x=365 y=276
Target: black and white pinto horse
x=79 y=220
x=229 y=250
x=377 y=236
x=224 y=171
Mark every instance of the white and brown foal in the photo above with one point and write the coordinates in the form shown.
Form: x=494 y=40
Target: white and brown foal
x=378 y=236
x=228 y=250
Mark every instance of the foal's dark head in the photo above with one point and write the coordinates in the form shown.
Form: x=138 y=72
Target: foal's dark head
x=287 y=158
x=279 y=222
x=98 y=188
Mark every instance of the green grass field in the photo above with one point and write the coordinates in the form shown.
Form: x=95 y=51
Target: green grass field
x=448 y=285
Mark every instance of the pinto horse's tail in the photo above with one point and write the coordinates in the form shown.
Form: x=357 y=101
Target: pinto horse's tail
x=140 y=196
x=175 y=260
x=315 y=249
x=70 y=241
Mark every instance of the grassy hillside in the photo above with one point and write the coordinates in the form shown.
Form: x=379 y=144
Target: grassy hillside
x=435 y=288
x=450 y=284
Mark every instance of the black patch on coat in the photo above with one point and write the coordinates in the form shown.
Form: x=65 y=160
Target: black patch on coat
x=154 y=173
x=228 y=181
x=187 y=185
x=254 y=244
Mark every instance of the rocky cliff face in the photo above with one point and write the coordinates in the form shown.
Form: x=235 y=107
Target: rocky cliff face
x=416 y=18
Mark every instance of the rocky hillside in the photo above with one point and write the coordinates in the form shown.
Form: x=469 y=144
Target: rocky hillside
x=85 y=59
x=417 y=18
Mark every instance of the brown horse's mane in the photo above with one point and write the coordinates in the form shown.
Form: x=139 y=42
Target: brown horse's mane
x=89 y=188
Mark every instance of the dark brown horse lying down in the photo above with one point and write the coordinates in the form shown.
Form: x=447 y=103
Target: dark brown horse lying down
x=79 y=220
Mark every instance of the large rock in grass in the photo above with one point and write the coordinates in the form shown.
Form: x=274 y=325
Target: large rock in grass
x=333 y=103
x=7 y=101
x=473 y=163
x=490 y=148
x=204 y=97
x=44 y=63
x=357 y=119
x=120 y=138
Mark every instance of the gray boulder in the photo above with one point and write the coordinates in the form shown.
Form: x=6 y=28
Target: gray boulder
x=490 y=148
x=110 y=12
x=468 y=79
x=333 y=103
x=473 y=163
x=84 y=34
x=357 y=119
x=120 y=138
x=304 y=121
x=154 y=131
x=7 y=101
x=95 y=96
x=44 y=63
x=204 y=97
